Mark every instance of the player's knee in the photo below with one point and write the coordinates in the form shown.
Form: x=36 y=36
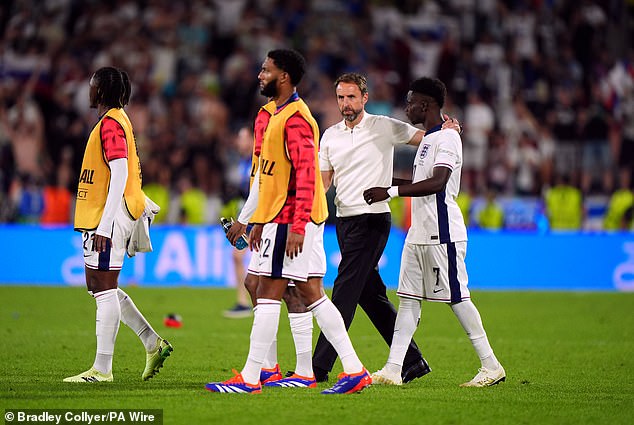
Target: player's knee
x=311 y=291
x=293 y=300
x=99 y=281
x=251 y=283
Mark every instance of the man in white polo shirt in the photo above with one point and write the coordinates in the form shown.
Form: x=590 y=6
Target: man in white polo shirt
x=355 y=154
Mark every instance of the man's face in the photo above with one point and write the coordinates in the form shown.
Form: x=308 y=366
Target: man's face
x=350 y=100
x=416 y=107
x=93 y=92
x=268 y=78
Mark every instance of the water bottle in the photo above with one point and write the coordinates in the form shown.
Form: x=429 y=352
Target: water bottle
x=242 y=242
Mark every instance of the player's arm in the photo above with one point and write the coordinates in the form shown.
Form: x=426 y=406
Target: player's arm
x=300 y=144
x=448 y=155
x=436 y=183
x=399 y=182
x=416 y=138
x=251 y=204
x=325 y=166
x=115 y=150
x=326 y=177
x=239 y=228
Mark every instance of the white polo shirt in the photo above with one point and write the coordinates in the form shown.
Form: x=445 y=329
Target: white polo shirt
x=437 y=218
x=361 y=158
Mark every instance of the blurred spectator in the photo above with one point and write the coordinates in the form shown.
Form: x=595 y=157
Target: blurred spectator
x=26 y=133
x=499 y=169
x=479 y=122
x=238 y=165
x=189 y=205
x=7 y=163
x=525 y=161
x=562 y=119
x=624 y=113
x=546 y=148
x=564 y=205
x=620 y=201
x=520 y=26
x=58 y=199
x=213 y=195
x=28 y=199
x=464 y=200
x=157 y=183
x=596 y=153
x=491 y=216
x=381 y=102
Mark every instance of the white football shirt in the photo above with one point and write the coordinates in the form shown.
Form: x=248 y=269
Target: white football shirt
x=437 y=218
x=362 y=158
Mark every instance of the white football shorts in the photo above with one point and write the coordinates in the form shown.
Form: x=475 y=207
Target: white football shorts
x=112 y=259
x=434 y=272
x=273 y=261
x=254 y=267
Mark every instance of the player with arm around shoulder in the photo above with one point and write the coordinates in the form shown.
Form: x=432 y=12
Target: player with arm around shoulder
x=433 y=259
x=358 y=152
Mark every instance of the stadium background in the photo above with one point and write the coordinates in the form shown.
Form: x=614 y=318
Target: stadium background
x=544 y=90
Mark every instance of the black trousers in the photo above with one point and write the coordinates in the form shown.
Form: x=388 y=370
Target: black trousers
x=362 y=240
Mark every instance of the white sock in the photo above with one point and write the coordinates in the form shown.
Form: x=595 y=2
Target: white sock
x=470 y=319
x=266 y=319
x=132 y=317
x=270 y=359
x=302 y=331
x=331 y=324
x=107 y=326
x=406 y=323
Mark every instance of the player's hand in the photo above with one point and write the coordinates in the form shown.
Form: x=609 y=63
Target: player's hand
x=236 y=230
x=294 y=244
x=100 y=243
x=255 y=237
x=375 y=194
x=451 y=123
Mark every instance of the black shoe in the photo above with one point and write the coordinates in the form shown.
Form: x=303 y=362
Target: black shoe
x=415 y=370
x=320 y=374
x=289 y=373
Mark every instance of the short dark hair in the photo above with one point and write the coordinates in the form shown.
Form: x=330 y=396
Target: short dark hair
x=354 y=78
x=431 y=87
x=290 y=61
x=113 y=87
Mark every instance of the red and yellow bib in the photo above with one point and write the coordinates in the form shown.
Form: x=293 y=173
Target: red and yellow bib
x=274 y=184
x=94 y=179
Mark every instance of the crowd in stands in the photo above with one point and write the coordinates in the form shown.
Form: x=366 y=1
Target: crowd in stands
x=544 y=90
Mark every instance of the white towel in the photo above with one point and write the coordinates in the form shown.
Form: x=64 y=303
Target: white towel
x=140 y=238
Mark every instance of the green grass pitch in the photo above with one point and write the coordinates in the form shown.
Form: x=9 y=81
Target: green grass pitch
x=569 y=359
